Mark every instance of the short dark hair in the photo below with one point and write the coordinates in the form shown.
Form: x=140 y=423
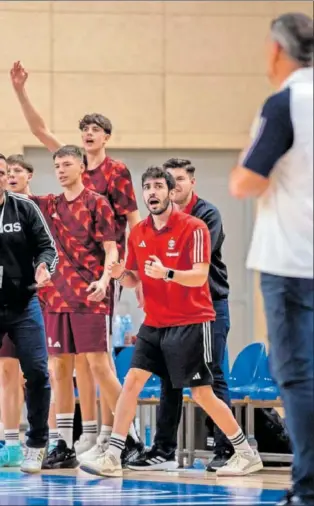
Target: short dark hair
x=294 y=33
x=156 y=172
x=180 y=163
x=98 y=119
x=2 y=157
x=20 y=160
x=69 y=150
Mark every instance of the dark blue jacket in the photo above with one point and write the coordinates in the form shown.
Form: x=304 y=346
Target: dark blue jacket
x=218 y=275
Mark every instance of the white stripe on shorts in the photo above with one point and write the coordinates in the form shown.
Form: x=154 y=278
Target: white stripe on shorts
x=207 y=342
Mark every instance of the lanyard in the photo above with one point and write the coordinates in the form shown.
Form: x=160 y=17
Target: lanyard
x=2 y=212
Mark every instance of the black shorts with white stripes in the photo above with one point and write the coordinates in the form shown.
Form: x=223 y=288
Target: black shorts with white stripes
x=182 y=353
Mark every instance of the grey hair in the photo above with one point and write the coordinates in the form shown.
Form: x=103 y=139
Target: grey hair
x=294 y=33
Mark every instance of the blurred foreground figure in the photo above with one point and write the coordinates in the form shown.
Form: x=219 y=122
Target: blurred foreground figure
x=278 y=169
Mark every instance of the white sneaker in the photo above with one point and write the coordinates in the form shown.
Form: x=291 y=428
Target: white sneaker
x=241 y=464
x=106 y=465
x=33 y=460
x=95 y=451
x=84 y=444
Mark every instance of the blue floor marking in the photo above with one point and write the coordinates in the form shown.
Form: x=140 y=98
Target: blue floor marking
x=50 y=490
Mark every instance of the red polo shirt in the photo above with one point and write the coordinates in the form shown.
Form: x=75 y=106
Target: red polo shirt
x=191 y=204
x=184 y=241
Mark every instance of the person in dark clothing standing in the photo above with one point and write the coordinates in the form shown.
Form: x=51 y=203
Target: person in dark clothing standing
x=27 y=260
x=165 y=442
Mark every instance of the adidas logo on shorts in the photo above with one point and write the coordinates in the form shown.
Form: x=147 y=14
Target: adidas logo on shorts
x=51 y=345
x=197 y=376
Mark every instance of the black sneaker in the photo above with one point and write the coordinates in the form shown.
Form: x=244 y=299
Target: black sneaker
x=61 y=457
x=155 y=460
x=292 y=500
x=133 y=451
x=219 y=460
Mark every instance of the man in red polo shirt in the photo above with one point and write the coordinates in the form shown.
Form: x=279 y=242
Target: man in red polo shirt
x=169 y=253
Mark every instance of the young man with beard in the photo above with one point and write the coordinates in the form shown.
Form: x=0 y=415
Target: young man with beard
x=169 y=415
x=169 y=253
x=28 y=257
x=112 y=179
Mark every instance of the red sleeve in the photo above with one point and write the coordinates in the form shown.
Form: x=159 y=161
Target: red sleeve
x=42 y=202
x=199 y=245
x=104 y=224
x=131 y=262
x=121 y=192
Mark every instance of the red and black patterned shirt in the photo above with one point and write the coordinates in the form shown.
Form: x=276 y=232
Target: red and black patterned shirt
x=113 y=180
x=79 y=228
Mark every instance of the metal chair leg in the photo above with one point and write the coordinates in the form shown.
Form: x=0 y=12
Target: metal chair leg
x=190 y=433
x=180 y=450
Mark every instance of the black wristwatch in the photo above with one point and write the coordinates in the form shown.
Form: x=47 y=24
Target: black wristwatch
x=169 y=275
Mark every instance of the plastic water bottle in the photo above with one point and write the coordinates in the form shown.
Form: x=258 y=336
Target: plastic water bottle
x=117 y=332
x=148 y=436
x=127 y=329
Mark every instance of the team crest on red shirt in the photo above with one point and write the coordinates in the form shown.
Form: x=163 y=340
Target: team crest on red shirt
x=171 y=247
x=171 y=244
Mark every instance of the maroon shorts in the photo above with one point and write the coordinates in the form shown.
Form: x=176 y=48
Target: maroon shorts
x=7 y=349
x=76 y=332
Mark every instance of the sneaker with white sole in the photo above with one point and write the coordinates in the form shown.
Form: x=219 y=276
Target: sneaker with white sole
x=106 y=465
x=241 y=464
x=84 y=444
x=96 y=451
x=11 y=455
x=33 y=460
x=155 y=459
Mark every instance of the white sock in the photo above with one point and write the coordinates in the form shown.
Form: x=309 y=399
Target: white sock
x=133 y=433
x=12 y=437
x=105 y=432
x=65 y=427
x=116 y=444
x=1 y=431
x=90 y=430
x=239 y=442
x=53 y=434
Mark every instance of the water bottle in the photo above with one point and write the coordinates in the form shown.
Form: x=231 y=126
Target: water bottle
x=148 y=436
x=117 y=332
x=127 y=329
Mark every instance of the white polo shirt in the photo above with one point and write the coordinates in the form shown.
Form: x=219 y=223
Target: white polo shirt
x=282 y=148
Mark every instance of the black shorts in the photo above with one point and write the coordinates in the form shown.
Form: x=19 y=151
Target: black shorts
x=182 y=353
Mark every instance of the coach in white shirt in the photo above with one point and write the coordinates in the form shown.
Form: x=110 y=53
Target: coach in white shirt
x=278 y=170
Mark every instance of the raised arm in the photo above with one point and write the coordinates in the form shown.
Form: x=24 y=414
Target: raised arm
x=35 y=122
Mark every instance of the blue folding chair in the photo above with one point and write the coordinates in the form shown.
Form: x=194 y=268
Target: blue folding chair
x=265 y=387
x=151 y=389
x=123 y=362
x=245 y=370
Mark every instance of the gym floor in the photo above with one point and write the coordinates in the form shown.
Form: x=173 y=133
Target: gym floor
x=186 y=487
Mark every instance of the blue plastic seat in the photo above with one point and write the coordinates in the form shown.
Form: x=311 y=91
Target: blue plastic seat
x=246 y=369
x=151 y=389
x=123 y=362
x=265 y=387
